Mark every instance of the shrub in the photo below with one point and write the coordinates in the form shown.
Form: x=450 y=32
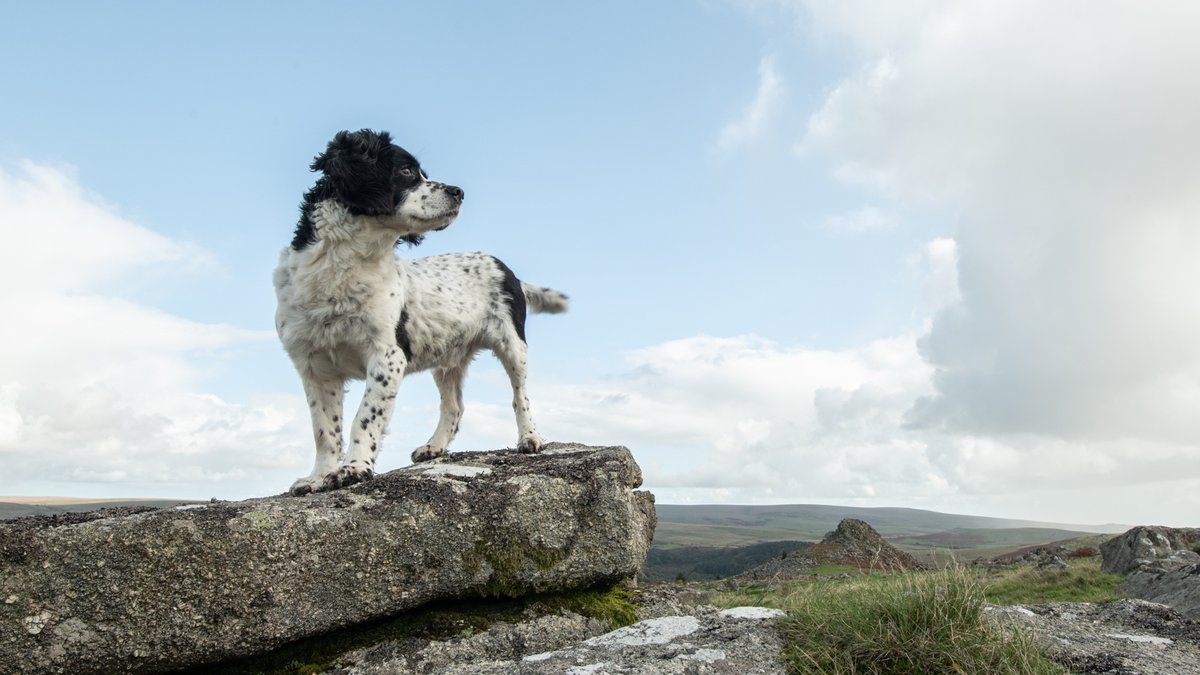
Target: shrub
x=1084 y=552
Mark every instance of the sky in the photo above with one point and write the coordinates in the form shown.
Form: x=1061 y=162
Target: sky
x=936 y=255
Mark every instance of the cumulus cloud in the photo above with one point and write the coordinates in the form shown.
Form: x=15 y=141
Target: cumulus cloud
x=1065 y=141
x=95 y=387
x=1058 y=373
x=754 y=118
x=741 y=419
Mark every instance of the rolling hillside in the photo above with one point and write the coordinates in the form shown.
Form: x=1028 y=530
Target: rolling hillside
x=729 y=525
x=708 y=541
x=19 y=507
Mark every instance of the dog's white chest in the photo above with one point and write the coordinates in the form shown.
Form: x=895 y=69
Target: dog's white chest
x=335 y=314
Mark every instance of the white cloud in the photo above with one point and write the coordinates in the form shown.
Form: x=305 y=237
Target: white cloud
x=937 y=269
x=97 y=388
x=1063 y=136
x=744 y=420
x=59 y=238
x=756 y=115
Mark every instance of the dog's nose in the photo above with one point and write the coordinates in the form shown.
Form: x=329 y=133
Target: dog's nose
x=455 y=192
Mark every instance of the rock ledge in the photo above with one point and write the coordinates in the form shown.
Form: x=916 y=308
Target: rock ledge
x=184 y=586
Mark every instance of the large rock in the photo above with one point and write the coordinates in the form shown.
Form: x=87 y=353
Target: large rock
x=1160 y=564
x=1146 y=543
x=190 y=585
x=1177 y=586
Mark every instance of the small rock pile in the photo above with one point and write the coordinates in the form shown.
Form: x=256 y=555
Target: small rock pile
x=1045 y=558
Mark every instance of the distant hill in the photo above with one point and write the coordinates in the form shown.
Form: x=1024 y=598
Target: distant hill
x=20 y=507
x=969 y=538
x=707 y=541
x=733 y=525
x=696 y=563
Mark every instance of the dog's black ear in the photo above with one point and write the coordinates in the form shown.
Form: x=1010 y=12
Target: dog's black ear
x=358 y=166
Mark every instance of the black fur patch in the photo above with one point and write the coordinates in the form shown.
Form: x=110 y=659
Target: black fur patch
x=402 y=339
x=364 y=171
x=514 y=297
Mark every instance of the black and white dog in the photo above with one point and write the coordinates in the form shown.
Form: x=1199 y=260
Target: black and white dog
x=350 y=309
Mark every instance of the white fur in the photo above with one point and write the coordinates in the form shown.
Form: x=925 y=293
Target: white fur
x=340 y=300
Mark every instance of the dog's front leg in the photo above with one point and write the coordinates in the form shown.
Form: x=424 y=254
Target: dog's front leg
x=325 y=405
x=385 y=368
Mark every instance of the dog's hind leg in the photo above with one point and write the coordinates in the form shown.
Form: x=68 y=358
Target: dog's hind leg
x=512 y=353
x=325 y=405
x=385 y=368
x=449 y=383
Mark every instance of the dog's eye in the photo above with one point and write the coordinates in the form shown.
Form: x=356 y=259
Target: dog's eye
x=406 y=172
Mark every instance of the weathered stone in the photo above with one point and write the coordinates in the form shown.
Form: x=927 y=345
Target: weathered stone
x=673 y=635
x=1130 y=550
x=1175 y=585
x=176 y=587
x=502 y=641
x=737 y=641
x=1126 y=636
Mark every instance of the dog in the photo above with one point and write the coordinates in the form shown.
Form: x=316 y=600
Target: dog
x=348 y=308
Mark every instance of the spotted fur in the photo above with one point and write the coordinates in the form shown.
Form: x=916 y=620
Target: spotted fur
x=348 y=308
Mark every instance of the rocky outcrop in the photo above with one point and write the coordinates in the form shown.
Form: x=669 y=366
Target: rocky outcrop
x=857 y=541
x=1126 y=636
x=1177 y=586
x=1143 y=544
x=1160 y=564
x=854 y=543
x=169 y=588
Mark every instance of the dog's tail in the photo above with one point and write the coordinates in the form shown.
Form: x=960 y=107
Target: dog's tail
x=542 y=300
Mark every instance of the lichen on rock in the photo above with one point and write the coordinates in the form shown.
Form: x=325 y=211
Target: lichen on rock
x=172 y=588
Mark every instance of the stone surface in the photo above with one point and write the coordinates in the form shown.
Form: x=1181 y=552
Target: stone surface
x=163 y=589
x=701 y=641
x=1160 y=564
x=1144 y=543
x=1125 y=637
x=1175 y=585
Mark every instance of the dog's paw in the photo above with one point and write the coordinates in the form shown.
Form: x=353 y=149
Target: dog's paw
x=530 y=444
x=354 y=472
x=306 y=485
x=427 y=452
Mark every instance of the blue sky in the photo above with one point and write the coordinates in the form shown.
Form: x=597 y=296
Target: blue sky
x=936 y=255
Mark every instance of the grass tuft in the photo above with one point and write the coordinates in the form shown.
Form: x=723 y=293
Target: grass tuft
x=1081 y=582
x=897 y=624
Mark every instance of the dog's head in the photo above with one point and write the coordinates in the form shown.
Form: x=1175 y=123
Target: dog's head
x=371 y=176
